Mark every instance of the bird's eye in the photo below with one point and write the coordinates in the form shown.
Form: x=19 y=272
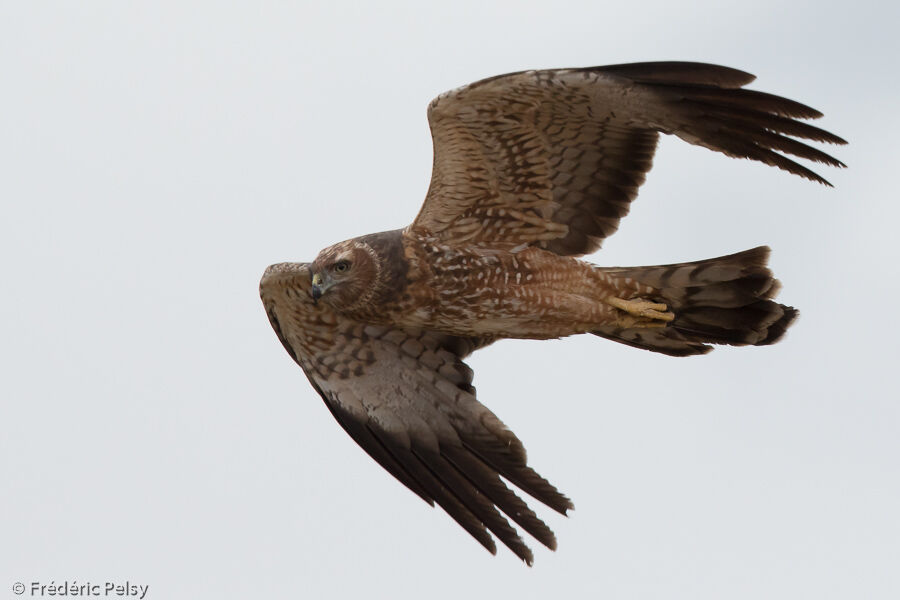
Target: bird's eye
x=342 y=266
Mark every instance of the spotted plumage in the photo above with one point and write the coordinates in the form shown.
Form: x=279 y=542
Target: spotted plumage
x=531 y=171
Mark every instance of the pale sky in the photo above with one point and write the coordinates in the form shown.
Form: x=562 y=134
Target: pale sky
x=158 y=156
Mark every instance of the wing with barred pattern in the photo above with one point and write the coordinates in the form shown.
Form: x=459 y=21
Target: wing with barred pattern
x=406 y=398
x=555 y=157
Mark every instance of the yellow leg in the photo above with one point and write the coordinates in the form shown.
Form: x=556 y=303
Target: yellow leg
x=643 y=309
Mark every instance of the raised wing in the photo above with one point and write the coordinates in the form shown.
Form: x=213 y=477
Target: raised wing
x=406 y=398
x=555 y=157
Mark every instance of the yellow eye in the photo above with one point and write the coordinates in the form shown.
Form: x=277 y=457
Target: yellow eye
x=341 y=266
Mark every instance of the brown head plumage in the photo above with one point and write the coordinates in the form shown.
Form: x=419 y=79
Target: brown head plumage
x=346 y=275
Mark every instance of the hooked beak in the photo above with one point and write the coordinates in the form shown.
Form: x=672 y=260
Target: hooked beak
x=318 y=287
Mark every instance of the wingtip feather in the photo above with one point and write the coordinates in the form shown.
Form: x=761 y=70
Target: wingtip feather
x=695 y=73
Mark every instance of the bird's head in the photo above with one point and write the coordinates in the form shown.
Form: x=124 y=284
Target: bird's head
x=345 y=275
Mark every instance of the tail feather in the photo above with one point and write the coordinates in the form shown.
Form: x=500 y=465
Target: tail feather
x=725 y=300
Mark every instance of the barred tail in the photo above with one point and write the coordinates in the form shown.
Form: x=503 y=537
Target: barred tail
x=725 y=300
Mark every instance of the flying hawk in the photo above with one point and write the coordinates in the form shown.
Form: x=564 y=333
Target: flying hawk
x=531 y=170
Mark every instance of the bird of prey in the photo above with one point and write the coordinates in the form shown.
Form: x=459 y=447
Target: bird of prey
x=531 y=171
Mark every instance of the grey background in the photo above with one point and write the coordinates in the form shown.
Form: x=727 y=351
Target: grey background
x=157 y=156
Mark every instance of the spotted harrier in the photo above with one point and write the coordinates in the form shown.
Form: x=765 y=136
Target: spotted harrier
x=531 y=171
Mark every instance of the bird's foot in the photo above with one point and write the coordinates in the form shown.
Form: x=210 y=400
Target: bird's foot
x=642 y=309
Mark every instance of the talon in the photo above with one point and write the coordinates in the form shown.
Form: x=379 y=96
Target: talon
x=643 y=309
x=661 y=316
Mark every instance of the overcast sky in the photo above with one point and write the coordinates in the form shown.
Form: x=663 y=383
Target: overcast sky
x=156 y=157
